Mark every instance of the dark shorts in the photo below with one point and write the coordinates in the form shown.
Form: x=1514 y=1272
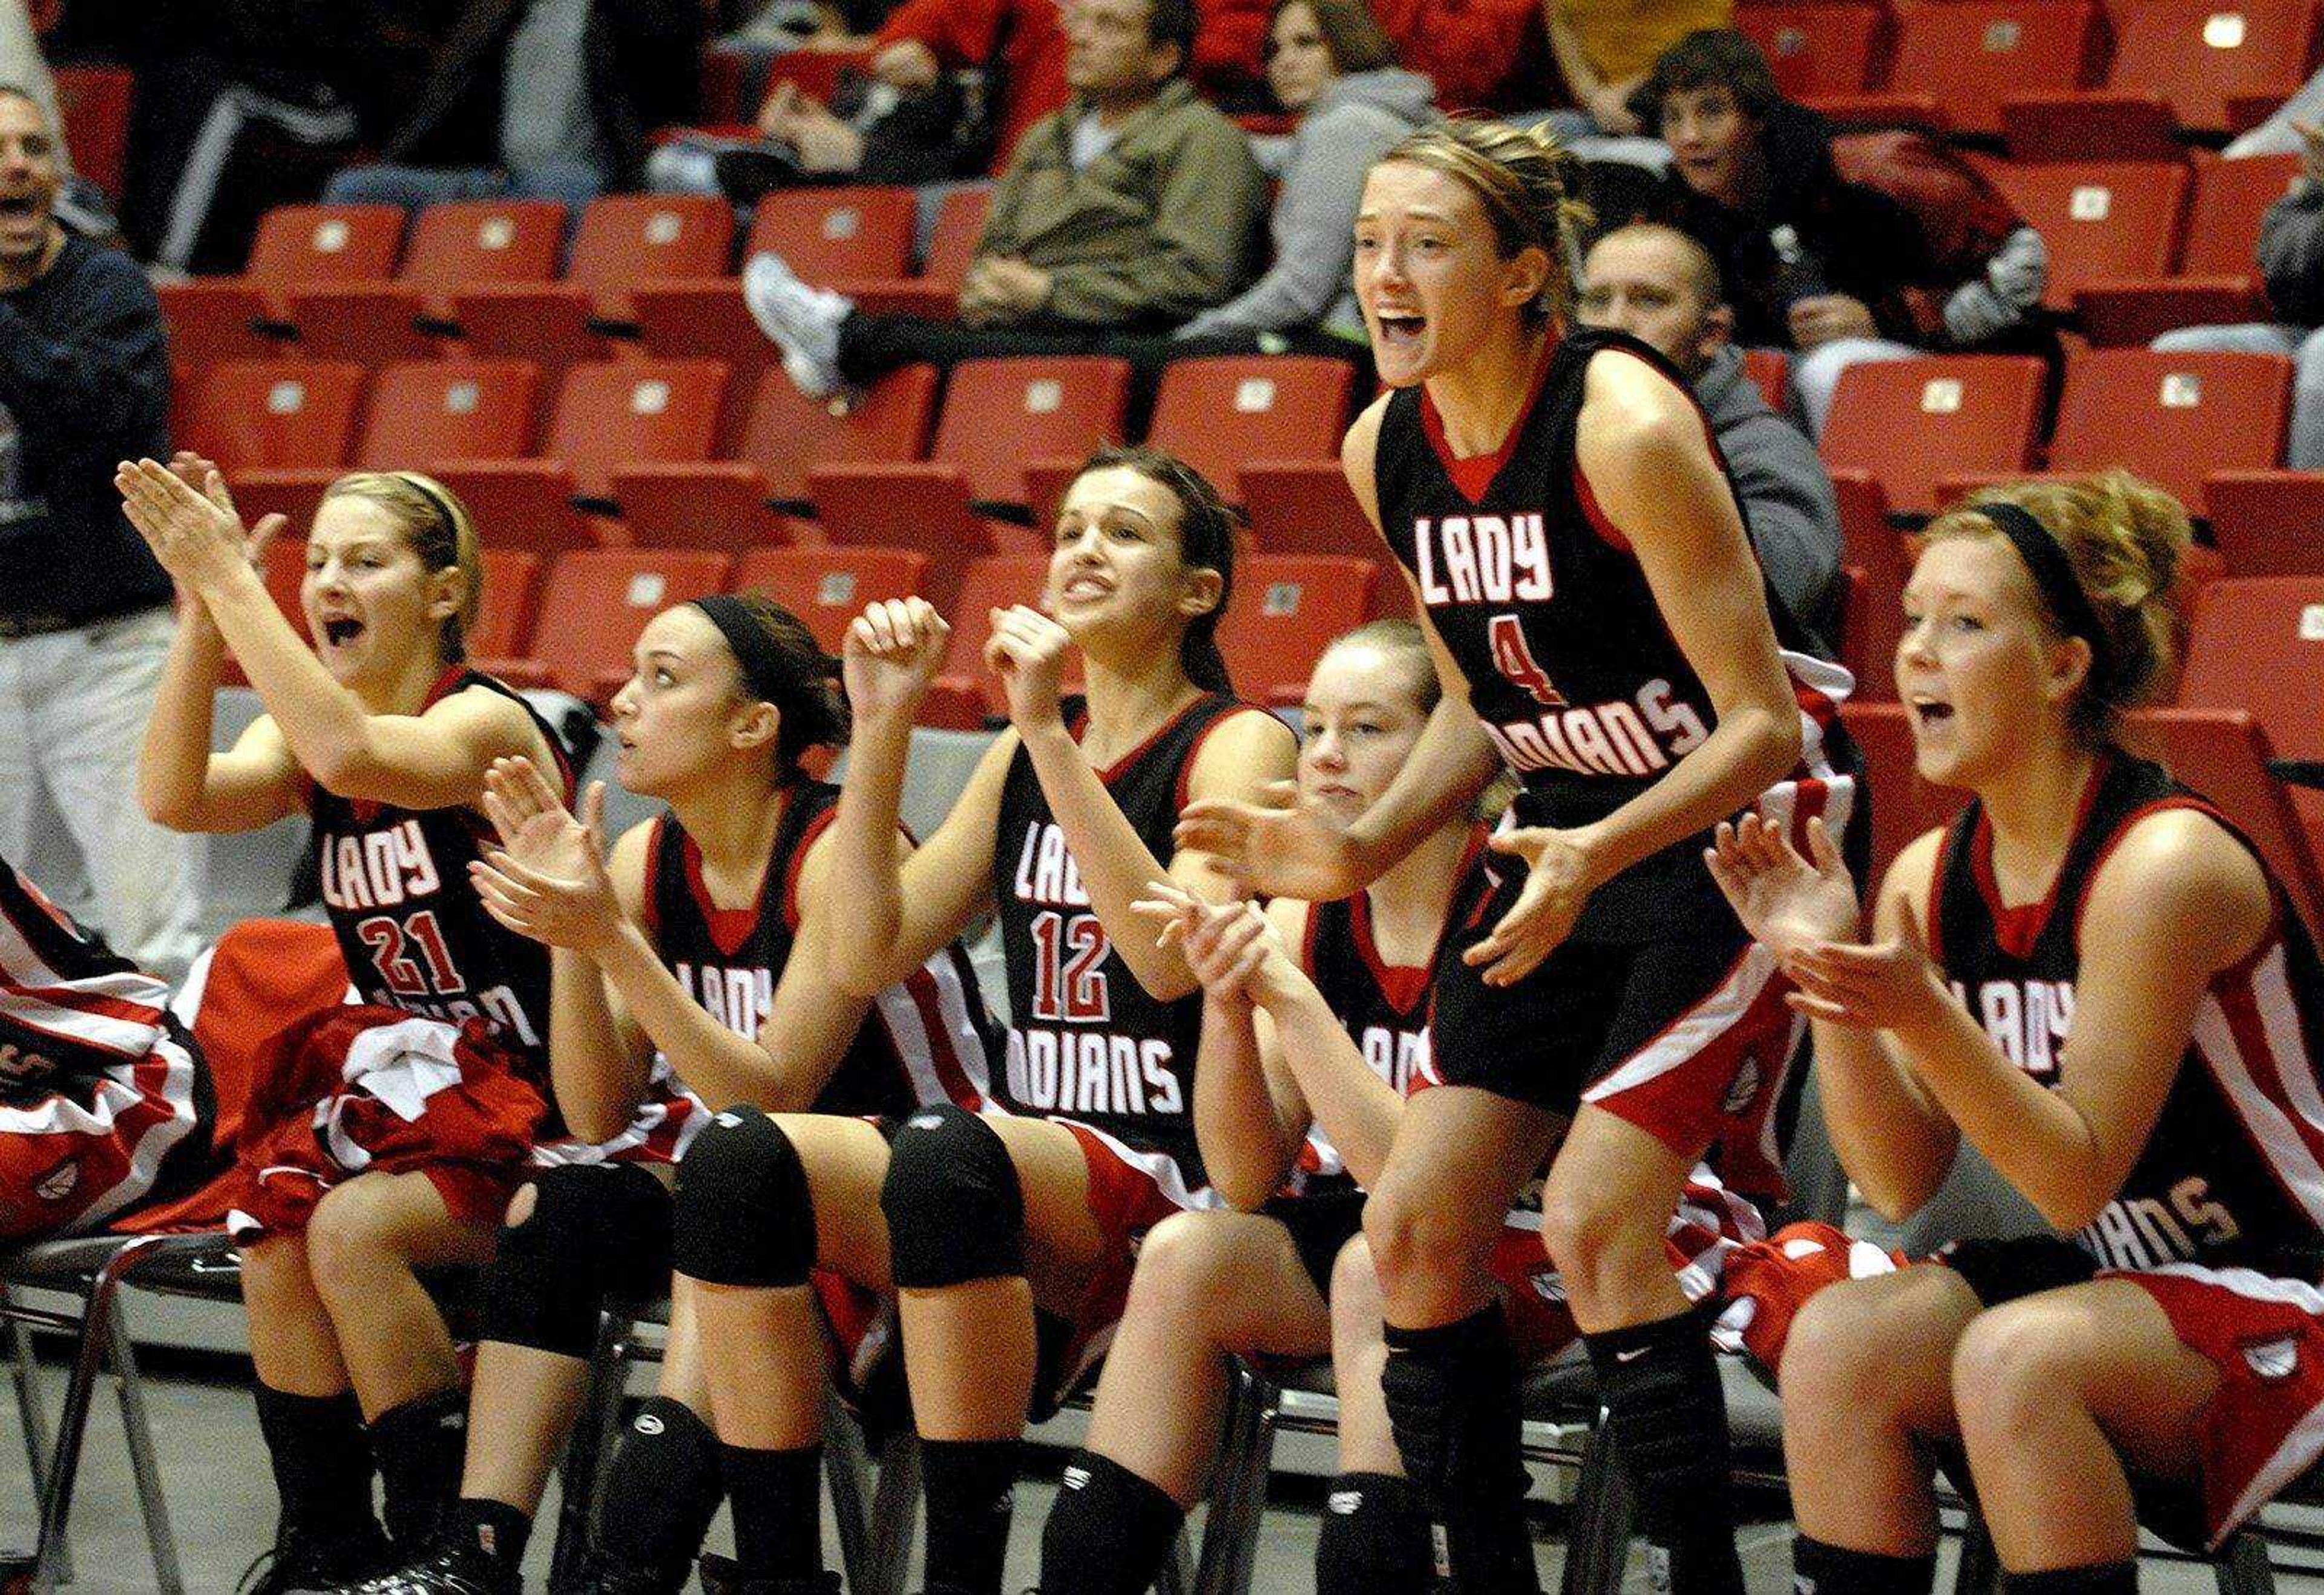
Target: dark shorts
x=1320 y=1226
x=1688 y=1038
x=2004 y=1272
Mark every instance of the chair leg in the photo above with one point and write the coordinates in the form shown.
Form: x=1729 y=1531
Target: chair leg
x=1980 y=1572
x=144 y=1469
x=24 y=1367
x=2241 y=1567
x=582 y=1468
x=1598 y=1529
x=1178 y=1575
x=895 y=1514
x=1239 y=1491
x=49 y=1561
x=847 y=1468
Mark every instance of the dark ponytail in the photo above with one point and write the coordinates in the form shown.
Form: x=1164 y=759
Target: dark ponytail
x=1208 y=527
x=782 y=664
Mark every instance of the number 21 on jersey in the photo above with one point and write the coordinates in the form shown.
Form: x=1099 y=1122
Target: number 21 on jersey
x=1515 y=660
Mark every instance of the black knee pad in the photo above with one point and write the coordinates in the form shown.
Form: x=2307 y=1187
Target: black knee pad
x=954 y=1210
x=595 y=1230
x=1450 y=1393
x=745 y=1214
x=1374 y=1537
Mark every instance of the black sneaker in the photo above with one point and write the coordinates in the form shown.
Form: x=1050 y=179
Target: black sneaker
x=300 y=1564
x=603 y=1574
x=720 y=1576
x=452 y=1567
x=749 y=174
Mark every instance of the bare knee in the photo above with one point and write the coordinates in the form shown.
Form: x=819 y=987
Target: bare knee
x=1414 y=1241
x=1355 y=1284
x=1840 y=1359
x=351 y=1240
x=1183 y=1262
x=520 y=1207
x=1599 y=1248
x=2010 y=1367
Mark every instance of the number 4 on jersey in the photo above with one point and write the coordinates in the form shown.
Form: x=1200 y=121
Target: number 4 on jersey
x=1515 y=660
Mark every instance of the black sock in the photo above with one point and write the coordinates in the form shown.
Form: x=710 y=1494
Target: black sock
x=777 y=1499
x=321 y=1462
x=494 y=1527
x=1453 y=1401
x=1109 y=1530
x=2099 y=1578
x=1374 y=1537
x=1667 y=1419
x=971 y=1485
x=1817 y=1569
x=662 y=1489
x=419 y=1445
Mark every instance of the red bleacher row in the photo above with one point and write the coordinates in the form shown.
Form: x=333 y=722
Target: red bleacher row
x=2055 y=78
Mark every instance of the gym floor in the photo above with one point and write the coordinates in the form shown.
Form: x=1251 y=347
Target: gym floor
x=222 y=1503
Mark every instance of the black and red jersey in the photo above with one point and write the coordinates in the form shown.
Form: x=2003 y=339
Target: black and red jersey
x=1544 y=607
x=413 y=932
x=2233 y=1174
x=1085 y=1041
x=925 y=1040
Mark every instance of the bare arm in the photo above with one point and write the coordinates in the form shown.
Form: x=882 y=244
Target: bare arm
x=2176 y=880
x=1249 y=1117
x=900 y=909
x=599 y=1060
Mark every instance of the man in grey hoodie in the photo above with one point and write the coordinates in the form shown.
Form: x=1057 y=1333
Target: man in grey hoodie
x=2292 y=264
x=1661 y=287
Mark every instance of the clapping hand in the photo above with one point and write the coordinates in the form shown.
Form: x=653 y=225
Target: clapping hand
x=547 y=879
x=1230 y=947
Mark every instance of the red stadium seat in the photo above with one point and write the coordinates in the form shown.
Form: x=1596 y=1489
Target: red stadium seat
x=1911 y=423
x=1973 y=54
x=1306 y=507
x=704 y=318
x=2267 y=523
x=609 y=415
x=1217 y=412
x=2219 y=279
x=597 y=601
x=827 y=235
x=2258 y=644
x=504 y=617
x=829 y=587
x=93 y=106
x=1285 y=609
x=2173 y=418
x=215 y=319
x=999 y=417
x=964 y=691
x=733 y=504
x=2199 y=54
x=2102 y=220
x=625 y=240
x=1903 y=806
x=1816 y=49
x=1770 y=371
x=257 y=413
x=2080 y=124
x=2224 y=754
x=420 y=412
x=1880 y=561
x=459 y=245
x=935 y=290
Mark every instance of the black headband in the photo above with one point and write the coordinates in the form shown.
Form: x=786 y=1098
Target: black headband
x=763 y=672
x=2054 y=574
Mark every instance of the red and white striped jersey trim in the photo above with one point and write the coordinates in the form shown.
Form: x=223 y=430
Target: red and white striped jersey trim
x=934 y=1021
x=119 y=1012
x=2248 y=1034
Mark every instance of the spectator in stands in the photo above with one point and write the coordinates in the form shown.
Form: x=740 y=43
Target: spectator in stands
x=1125 y=212
x=2287 y=127
x=1662 y=287
x=2292 y=264
x=79 y=203
x=1329 y=64
x=543 y=99
x=1871 y=247
x=85 y=620
x=1605 y=48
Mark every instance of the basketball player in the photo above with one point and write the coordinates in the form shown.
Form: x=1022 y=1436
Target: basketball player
x=383 y=736
x=672 y=982
x=1315 y=1027
x=982 y=1223
x=2092 y=978
x=1601 y=626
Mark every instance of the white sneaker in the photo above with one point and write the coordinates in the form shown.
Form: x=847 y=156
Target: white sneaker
x=803 y=322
